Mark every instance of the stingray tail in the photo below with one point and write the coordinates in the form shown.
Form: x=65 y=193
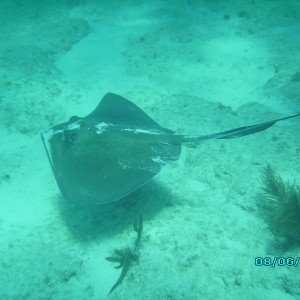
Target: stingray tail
x=237 y=132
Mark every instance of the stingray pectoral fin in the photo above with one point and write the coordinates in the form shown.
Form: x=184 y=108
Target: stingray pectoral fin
x=238 y=132
x=116 y=109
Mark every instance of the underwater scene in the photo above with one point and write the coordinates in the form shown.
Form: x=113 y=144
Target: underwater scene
x=149 y=150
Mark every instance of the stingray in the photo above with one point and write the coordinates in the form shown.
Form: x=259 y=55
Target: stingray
x=116 y=149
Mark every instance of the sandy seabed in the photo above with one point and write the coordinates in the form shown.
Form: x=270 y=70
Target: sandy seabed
x=195 y=67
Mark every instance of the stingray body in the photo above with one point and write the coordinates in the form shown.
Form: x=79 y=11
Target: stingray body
x=116 y=149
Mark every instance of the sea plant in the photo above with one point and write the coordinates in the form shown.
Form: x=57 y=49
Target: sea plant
x=126 y=256
x=283 y=203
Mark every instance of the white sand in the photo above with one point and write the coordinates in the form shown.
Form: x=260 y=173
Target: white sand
x=196 y=68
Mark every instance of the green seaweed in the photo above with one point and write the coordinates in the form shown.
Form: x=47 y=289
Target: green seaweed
x=126 y=256
x=283 y=202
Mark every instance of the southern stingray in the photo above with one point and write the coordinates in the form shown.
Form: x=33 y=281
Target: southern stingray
x=116 y=149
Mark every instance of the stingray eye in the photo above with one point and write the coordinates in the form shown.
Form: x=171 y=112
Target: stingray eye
x=69 y=137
